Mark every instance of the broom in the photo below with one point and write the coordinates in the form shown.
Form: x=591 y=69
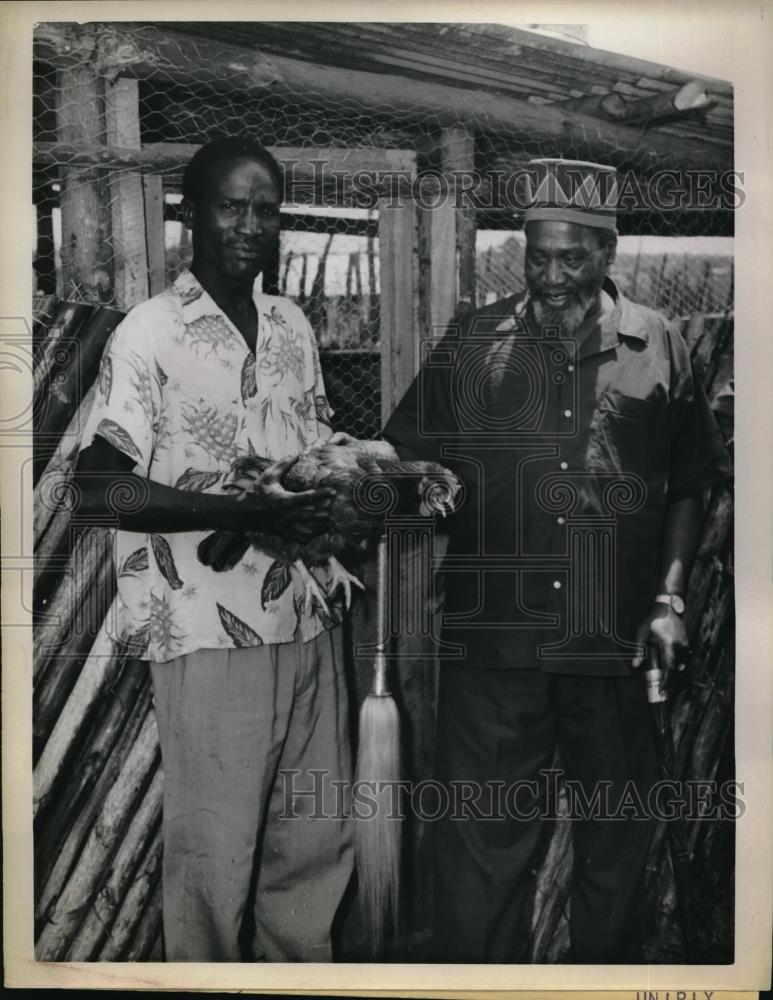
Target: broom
x=377 y=837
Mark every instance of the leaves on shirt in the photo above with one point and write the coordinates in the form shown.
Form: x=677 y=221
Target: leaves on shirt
x=163 y=554
x=105 y=377
x=163 y=378
x=322 y=409
x=196 y=481
x=275 y=582
x=135 y=563
x=249 y=378
x=238 y=631
x=119 y=438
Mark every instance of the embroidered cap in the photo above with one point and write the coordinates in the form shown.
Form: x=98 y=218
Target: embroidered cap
x=571 y=191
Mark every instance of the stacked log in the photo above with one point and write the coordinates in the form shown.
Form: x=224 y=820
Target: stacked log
x=97 y=780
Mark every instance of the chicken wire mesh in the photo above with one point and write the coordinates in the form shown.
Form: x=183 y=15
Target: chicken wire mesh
x=678 y=276
x=184 y=91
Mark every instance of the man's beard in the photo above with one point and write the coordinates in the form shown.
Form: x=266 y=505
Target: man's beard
x=568 y=319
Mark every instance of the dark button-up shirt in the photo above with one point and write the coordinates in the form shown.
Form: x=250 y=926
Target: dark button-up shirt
x=569 y=450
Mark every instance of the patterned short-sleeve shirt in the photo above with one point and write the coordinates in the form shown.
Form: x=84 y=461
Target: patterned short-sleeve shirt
x=180 y=392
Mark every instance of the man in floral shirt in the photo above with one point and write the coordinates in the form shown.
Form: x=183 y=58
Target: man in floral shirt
x=246 y=679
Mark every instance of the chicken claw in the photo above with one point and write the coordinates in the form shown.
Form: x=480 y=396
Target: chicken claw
x=341 y=577
x=313 y=595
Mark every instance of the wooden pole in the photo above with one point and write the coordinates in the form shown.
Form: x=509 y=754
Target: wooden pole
x=373 y=293
x=98 y=671
x=141 y=833
x=51 y=489
x=457 y=146
x=68 y=607
x=119 y=806
x=153 y=197
x=86 y=254
x=57 y=681
x=130 y=268
x=138 y=921
x=399 y=341
x=230 y=68
x=59 y=841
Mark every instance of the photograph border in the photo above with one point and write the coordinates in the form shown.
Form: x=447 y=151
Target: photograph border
x=736 y=36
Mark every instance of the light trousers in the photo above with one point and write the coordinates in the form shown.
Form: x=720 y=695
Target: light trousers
x=251 y=740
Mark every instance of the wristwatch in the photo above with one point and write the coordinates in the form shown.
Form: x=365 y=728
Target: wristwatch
x=674 y=600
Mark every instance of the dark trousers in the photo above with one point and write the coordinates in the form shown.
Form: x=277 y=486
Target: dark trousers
x=503 y=726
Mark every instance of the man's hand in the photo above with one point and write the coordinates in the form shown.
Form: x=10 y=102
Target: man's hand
x=296 y=516
x=664 y=629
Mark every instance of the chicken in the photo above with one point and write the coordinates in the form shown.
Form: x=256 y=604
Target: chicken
x=369 y=480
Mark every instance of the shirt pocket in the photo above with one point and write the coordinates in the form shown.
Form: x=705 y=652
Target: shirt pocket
x=628 y=436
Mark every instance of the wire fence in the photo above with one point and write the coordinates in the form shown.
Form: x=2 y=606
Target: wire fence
x=675 y=275
x=162 y=91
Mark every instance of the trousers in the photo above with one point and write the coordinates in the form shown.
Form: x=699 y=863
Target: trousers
x=251 y=740
x=503 y=726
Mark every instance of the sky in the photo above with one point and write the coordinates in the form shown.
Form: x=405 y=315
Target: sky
x=696 y=36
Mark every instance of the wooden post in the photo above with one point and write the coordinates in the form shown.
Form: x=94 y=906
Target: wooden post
x=457 y=147
x=127 y=197
x=399 y=340
x=85 y=215
x=443 y=276
x=153 y=191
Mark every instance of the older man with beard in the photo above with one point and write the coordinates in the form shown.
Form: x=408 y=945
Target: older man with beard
x=585 y=443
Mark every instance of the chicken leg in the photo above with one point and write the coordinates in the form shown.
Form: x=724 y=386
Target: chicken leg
x=313 y=595
x=341 y=577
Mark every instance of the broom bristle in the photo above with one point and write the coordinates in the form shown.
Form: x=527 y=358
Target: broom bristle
x=377 y=838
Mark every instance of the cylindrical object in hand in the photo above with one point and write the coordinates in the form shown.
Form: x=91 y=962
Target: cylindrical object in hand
x=655 y=678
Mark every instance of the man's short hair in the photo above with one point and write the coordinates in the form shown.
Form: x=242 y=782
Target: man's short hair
x=197 y=172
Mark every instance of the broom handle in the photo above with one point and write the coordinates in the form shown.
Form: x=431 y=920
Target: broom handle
x=379 y=666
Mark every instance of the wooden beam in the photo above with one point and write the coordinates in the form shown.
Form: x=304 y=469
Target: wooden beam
x=130 y=260
x=308 y=168
x=399 y=342
x=229 y=68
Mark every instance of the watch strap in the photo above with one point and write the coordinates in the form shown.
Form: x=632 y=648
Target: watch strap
x=675 y=601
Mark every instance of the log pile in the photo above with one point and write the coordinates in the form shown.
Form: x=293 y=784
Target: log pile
x=98 y=780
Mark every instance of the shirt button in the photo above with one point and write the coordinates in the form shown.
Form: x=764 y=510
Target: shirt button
x=567 y=413
x=557 y=584
x=570 y=368
x=564 y=466
x=561 y=520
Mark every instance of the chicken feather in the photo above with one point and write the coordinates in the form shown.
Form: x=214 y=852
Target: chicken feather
x=369 y=481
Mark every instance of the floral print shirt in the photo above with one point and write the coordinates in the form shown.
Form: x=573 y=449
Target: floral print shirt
x=180 y=392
